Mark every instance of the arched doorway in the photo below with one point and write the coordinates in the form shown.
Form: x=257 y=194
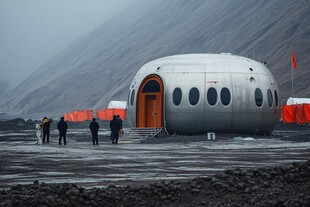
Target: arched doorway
x=150 y=103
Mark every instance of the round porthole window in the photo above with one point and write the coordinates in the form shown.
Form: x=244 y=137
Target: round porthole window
x=270 y=98
x=132 y=97
x=212 y=96
x=258 y=97
x=276 y=98
x=128 y=97
x=225 y=96
x=193 y=96
x=177 y=96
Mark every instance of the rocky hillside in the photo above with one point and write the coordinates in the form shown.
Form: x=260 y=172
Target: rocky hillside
x=99 y=67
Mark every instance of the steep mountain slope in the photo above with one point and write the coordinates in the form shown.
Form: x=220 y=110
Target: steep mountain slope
x=99 y=67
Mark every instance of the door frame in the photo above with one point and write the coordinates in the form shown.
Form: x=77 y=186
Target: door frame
x=141 y=103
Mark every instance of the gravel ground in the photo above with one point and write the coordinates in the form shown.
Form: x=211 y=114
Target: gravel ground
x=279 y=185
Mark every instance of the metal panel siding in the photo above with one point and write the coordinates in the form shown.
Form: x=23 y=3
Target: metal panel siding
x=184 y=114
x=218 y=117
x=240 y=75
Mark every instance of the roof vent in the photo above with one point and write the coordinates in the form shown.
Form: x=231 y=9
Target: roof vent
x=226 y=53
x=265 y=63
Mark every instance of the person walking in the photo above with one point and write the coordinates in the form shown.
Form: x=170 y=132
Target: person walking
x=62 y=127
x=115 y=127
x=46 y=124
x=121 y=132
x=94 y=128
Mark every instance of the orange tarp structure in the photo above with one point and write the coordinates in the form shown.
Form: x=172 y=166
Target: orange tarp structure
x=288 y=113
x=66 y=116
x=70 y=116
x=107 y=114
x=80 y=115
x=307 y=112
x=84 y=115
x=299 y=113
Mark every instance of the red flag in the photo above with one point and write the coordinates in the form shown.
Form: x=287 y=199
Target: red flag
x=294 y=61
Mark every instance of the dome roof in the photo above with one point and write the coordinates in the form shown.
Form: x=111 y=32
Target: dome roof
x=225 y=62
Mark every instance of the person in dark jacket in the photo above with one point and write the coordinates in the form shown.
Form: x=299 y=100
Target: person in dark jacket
x=121 y=132
x=120 y=121
x=46 y=129
x=115 y=127
x=62 y=128
x=94 y=128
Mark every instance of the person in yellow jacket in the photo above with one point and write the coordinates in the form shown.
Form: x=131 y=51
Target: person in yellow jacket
x=46 y=124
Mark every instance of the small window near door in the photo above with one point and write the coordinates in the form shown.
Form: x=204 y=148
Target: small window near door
x=151 y=86
x=193 y=96
x=177 y=96
x=132 y=97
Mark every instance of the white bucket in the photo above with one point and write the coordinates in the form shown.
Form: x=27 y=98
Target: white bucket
x=211 y=135
x=39 y=136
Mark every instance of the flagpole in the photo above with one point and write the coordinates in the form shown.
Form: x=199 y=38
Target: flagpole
x=292 y=72
x=293 y=67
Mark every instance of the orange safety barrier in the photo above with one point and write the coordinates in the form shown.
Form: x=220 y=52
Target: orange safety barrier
x=288 y=113
x=72 y=116
x=299 y=114
x=100 y=114
x=84 y=115
x=81 y=115
x=107 y=114
x=67 y=117
x=307 y=112
x=121 y=113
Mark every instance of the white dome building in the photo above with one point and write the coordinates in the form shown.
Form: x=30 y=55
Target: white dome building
x=199 y=93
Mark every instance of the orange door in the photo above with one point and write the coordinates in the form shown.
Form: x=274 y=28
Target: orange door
x=151 y=111
x=150 y=103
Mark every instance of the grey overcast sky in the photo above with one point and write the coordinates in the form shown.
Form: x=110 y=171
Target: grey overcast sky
x=33 y=31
